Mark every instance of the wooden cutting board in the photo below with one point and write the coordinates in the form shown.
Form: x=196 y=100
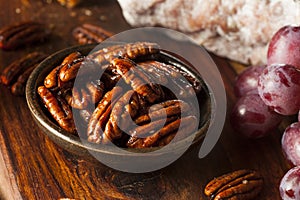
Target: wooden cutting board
x=33 y=167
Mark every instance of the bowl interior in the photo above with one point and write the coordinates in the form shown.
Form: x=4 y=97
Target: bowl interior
x=74 y=143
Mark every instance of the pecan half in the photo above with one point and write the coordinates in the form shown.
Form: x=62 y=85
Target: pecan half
x=85 y=96
x=52 y=79
x=238 y=185
x=139 y=80
x=187 y=126
x=58 y=108
x=97 y=60
x=18 y=88
x=130 y=51
x=17 y=35
x=178 y=81
x=88 y=33
x=13 y=71
x=101 y=115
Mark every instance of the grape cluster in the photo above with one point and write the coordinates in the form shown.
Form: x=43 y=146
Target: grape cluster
x=267 y=94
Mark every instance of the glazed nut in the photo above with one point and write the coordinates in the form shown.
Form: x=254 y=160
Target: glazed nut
x=89 y=33
x=139 y=80
x=21 y=34
x=238 y=185
x=18 y=67
x=131 y=51
x=18 y=88
x=58 y=108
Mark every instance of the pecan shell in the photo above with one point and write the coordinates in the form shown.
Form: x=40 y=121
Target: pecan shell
x=238 y=185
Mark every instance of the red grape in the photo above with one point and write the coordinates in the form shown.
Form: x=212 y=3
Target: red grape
x=290 y=185
x=291 y=143
x=252 y=118
x=279 y=88
x=284 y=47
x=247 y=81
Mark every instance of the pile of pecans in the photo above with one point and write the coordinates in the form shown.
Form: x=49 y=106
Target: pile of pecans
x=125 y=99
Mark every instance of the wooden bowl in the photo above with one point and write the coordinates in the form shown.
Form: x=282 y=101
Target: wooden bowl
x=112 y=156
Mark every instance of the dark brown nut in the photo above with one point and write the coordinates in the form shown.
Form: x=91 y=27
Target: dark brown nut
x=166 y=118
x=96 y=60
x=51 y=79
x=123 y=110
x=238 y=185
x=101 y=115
x=165 y=109
x=85 y=115
x=88 y=33
x=130 y=51
x=17 y=35
x=69 y=70
x=187 y=126
x=84 y=97
x=110 y=77
x=18 y=88
x=139 y=80
x=180 y=83
x=58 y=108
x=13 y=71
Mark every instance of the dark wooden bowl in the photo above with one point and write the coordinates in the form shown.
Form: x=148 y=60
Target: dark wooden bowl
x=110 y=155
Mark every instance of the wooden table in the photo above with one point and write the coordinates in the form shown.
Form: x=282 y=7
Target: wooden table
x=33 y=167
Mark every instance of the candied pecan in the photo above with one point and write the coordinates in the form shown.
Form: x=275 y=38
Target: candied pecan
x=12 y=71
x=85 y=115
x=241 y=184
x=51 y=79
x=88 y=33
x=130 y=51
x=69 y=70
x=58 y=108
x=124 y=109
x=164 y=109
x=101 y=115
x=94 y=61
x=187 y=126
x=160 y=122
x=174 y=79
x=83 y=97
x=138 y=79
x=18 y=88
x=17 y=35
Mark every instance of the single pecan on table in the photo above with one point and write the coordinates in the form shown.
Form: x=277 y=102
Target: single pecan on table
x=17 y=73
x=89 y=33
x=21 y=34
x=238 y=185
x=127 y=105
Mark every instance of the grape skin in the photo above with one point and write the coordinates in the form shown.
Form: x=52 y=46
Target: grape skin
x=279 y=88
x=252 y=118
x=247 y=81
x=284 y=47
x=290 y=185
x=290 y=143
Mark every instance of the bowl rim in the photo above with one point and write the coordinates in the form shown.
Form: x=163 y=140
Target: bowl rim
x=55 y=132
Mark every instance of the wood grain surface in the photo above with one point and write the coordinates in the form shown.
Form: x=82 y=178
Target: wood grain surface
x=33 y=167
